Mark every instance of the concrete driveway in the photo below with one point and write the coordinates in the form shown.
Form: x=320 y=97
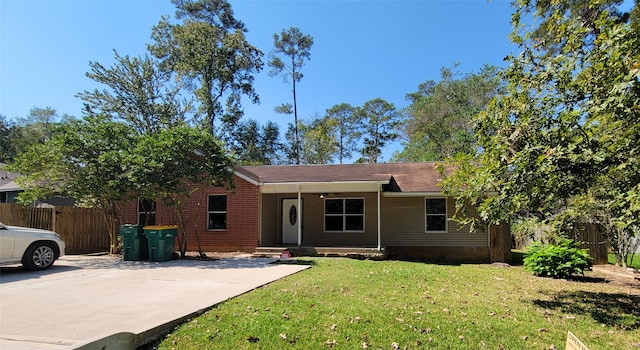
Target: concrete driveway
x=106 y=303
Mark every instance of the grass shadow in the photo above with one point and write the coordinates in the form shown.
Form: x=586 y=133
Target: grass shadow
x=426 y=261
x=587 y=279
x=517 y=257
x=294 y=262
x=619 y=310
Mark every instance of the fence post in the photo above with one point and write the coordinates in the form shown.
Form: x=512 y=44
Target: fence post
x=53 y=219
x=500 y=243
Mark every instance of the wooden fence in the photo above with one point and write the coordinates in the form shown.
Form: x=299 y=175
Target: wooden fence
x=83 y=230
x=589 y=236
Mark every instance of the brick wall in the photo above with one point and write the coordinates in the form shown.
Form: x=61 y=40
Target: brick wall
x=242 y=232
x=128 y=213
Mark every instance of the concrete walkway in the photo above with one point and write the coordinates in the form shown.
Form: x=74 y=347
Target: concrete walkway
x=106 y=303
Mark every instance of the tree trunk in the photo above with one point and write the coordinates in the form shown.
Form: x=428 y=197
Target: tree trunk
x=109 y=213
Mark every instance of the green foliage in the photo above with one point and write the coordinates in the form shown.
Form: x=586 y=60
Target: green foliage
x=348 y=128
x=7 y=146
x=173 y=163
x=439 y=121
x=557 y=261
x=318 y=141
x=380 y=119
x=101 y=163
x=291 y=48
x=36 y=127
x=166 y=163
x=290 y=145
x=209 y=52
x=285 y=108
x=254 y=144
x=567 y=124
x=138 y=93
x=633 y=261
x=84 y=159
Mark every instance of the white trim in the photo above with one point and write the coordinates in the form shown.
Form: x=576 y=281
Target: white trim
x=225 y=212
x=247 y=178
x=299 y=218
x=414 y=194
x=446 y=215
x=379 y=225
x=320 y=187
x=260 y=216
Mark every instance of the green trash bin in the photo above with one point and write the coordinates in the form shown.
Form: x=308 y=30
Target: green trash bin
x=161 y=242
x=134 y=243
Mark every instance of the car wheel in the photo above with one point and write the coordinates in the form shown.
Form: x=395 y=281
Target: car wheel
x=39 y=256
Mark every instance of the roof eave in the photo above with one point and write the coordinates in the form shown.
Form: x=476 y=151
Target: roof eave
x=414 y=194
x=246 y=178
x=323 y=187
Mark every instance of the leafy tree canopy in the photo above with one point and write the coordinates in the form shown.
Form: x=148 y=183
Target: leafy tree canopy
x=568 y=124
x=138 y=93
x=86 y=160
x=381 y=120
x=348 y=128
x=318 y=141
x=7 y=148
x=209 y=51
x=101 y=163
x=439 y=121
x=254 y=144
x=37 y=126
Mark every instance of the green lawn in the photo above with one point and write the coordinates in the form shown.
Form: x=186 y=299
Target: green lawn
x=354 y=304
x=635 y=263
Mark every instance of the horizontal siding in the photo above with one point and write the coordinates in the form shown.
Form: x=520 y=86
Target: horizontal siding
x=313 y=230
x=403 y=224
x=313 y=221
x=269 y=220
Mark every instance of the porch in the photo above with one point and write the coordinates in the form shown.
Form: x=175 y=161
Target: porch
x=347 y=252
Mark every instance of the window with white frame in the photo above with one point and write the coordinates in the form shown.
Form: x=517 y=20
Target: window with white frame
x=436 y=214
x=217 y=212
x=344 y=214
x=146 y=211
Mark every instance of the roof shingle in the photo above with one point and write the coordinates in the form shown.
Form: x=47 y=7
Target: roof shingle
x=409 y=177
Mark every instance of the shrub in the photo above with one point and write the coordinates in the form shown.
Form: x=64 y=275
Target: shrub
x=557 y=261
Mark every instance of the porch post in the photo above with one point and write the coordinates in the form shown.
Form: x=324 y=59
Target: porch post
x=379 y=234
x=299 y=217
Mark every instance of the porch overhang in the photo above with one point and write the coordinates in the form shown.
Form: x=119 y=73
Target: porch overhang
x=412 y=194
x=322 y=187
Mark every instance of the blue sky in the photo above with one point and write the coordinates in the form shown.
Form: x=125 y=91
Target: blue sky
x=362 y=49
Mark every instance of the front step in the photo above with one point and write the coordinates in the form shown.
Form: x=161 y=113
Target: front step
x=270 y=250
x=354 y=253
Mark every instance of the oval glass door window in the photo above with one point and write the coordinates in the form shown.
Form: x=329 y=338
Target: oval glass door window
x=293 y=215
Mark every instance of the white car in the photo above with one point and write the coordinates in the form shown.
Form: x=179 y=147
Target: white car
x=35 y=249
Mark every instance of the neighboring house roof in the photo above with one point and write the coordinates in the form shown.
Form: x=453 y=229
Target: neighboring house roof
x=395 y=177
x=7 y=183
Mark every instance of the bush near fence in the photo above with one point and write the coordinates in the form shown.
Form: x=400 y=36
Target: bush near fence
x=82 y=229
x=588 y=236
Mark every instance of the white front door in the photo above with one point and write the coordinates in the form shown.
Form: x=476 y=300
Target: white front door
x=290 y=216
